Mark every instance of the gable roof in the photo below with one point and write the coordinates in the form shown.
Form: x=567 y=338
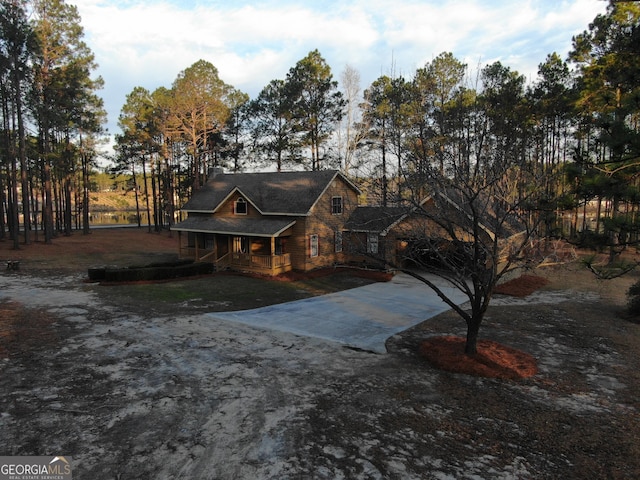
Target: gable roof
x=273 y=193
x=451 y=206
x=494 y=219
x=375 y=219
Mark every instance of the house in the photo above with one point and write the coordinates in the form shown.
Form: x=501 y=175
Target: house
x=436 y=228
x=269 y=222
x=370 y=234
x=272 y=223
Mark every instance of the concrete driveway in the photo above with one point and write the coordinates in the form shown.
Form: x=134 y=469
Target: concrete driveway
x=363 y=317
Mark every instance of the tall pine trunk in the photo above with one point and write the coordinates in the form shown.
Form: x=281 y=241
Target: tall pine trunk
x=85 y=189
x=67 y=212
x=24 y=178
x=47 y=192
x=135 y=189
x=146 y=194
x=15 y=218
x=156 y=203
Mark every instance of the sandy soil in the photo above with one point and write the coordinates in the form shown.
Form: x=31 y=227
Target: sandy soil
x=131 y=394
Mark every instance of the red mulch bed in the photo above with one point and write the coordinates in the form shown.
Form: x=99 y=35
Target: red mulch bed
x=521 y=286
x=493 y=360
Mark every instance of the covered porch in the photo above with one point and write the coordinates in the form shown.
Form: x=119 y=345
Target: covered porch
x=255 y=245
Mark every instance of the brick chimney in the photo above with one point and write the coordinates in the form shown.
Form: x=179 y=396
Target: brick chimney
x=214 y=172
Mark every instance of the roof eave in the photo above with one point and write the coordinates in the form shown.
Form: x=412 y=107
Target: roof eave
x=349 y=182
x=195 y=211
x=237 y=233
x=337 y=173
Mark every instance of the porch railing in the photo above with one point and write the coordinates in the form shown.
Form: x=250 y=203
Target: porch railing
x=260 y=262
x=242 y=260
x=223 y=262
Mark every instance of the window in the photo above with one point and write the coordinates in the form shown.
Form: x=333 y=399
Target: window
x=336 y=205
x=240 y=207
x=372 y=243
x=313 y=246
x=338 y=240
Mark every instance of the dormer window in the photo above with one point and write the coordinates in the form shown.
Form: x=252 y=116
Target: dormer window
x=240 y=207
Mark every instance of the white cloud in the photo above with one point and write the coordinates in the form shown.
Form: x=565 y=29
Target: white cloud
x=148 y=42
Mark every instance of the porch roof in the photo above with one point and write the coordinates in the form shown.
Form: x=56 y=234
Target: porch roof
x=251 y=227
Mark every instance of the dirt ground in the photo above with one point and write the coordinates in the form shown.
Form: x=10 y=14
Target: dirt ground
x=133 y=392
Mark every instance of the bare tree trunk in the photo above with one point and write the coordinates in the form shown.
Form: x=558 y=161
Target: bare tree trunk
x=146 y=194
x=58 y=203
x=350 y=81
x=23 y=167
x=154 y=192
x=385 y=193
x=5 y=199
x=66 y=190
x=2 y=209
x=48 y=204
x=85 y=190
x=473 y=328
x=34 y=208
x=171 y=189
x=135 y=189
x=14 y=201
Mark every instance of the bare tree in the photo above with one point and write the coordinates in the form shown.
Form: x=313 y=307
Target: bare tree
x=471 y=234
x=476 y=205
x=350 y=134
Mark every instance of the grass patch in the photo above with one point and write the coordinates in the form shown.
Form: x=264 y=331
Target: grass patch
x=226 y=292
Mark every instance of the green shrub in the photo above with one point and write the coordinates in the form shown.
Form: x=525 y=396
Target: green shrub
x=165 y=271
x=633 y=299
x=174 y=263
x=96 y=274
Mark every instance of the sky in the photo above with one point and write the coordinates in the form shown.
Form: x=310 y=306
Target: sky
x=148 y=43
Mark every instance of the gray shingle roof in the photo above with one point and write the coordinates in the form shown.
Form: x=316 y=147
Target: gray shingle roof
x=285 y=193
x=258 y=227
x=375 y=219
x=494 y=219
